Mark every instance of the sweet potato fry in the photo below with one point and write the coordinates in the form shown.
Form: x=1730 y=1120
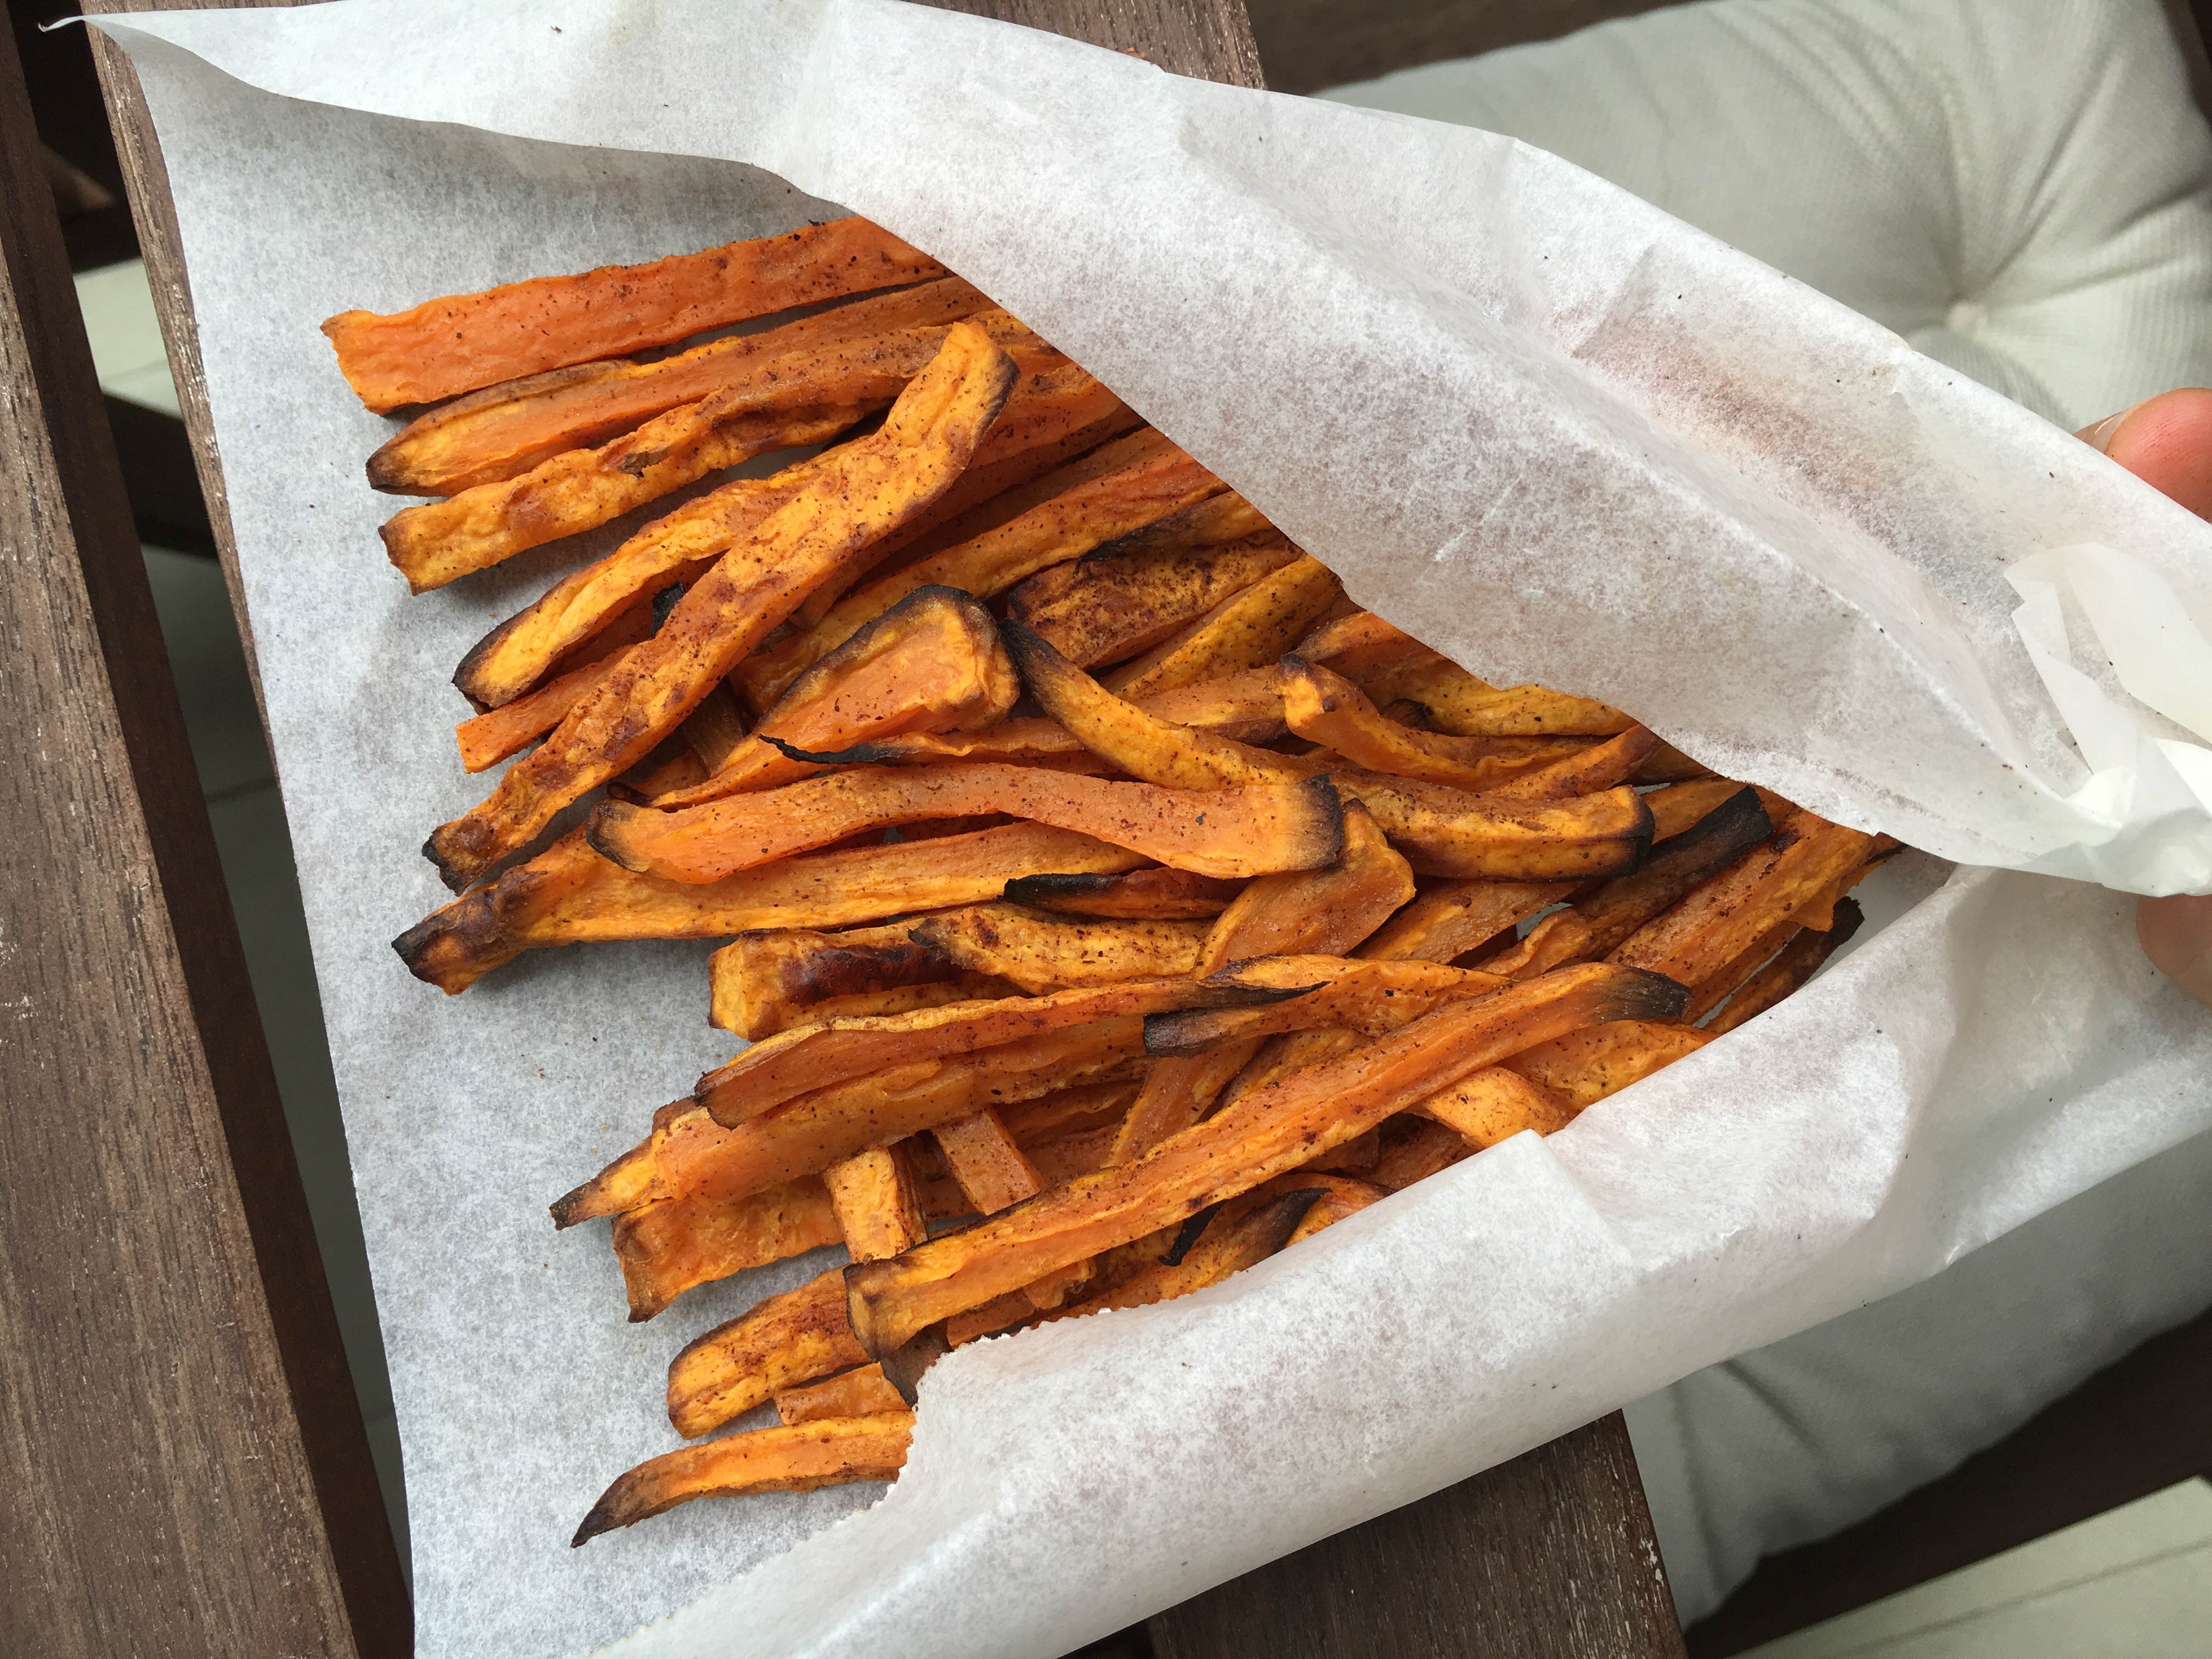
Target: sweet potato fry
x=985 y=1162
x=1221 y=832
x=1769 y=886
x=879 y=481
x=1116 y=601
x=1797 y=962
x=1617 y=908
x=463 y=341
x=1228 y=1244
x=1601 y=766
x=505 y=431
x=762 y=982
x=1155 y=894
x=491 y=737
x=694 y=1155
x=1586 y=1065
x=1359 y=643
x=1067 y=1111
x=864 y=1392
x=1449 y=832
x=1152 y=479
x=824 y=1452
x=1465 y=706
x=1679 y=807
x=1118 y=730
x=1245 y=630
x=878 y=1205
x=1410 y=1148
x=1453 y=918
x=1555 y=940
x=1263 y=1134
x=1243 y=706
x=784 y=1341
x=932 y=663
x=1495 y=1103
x=810 y=1058
x=1040 y=952
x=667 y=1247
x=1717 y=987
x=569 y=894
x=1368 y=997
x=1324 y=707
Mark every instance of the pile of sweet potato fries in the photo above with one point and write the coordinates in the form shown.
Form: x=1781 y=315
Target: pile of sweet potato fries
x=1112 y=902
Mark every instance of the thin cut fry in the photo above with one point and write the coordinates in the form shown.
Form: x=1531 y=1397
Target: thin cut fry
x=878 y=1205
x=827 y=1452
x=1229 y=1244
x=880 y=481
x=1465 y=706
x=1495 y=1103
x=762 y=982
x=667 y=1248
x=1155 y=894
x=865 y=1392
x=1798 y=961
x=463 y=341
x=784 y=1341
x=1040 y=952
x=1620 y=907
x=1368 y=997
x=1328 y=708
x=1449 y=832
x=1601 y=766
x=1586 y=1065
x=1245 y=630
x=505 y=431
x=1116 y=602
x=569 y=894
x=1359 y=643
x=1224 y=832
x=984 y=1159
x=491 y=737
x=1263 y=1134
x=1449 y=919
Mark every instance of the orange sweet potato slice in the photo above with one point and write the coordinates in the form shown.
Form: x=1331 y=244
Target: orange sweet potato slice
x=784 y=1341
x=1454 y=917
x=1804 y=956
x=1770 y=884
x=1450 y=832
x=1620 y=907
x=932 y=663
x=505 y=431
x=1600 y=766
x=1368 y=997
x=862 y=1392
x=1040 y=950
x=878 y=1203
x=1228 y=1244
x=824 y=1452
x=1495 y=1103
x=1119 y=600
x=463 y=341
x=984 y=1159
x=1465 y=706
x=1247 y=630
x=492 y=735
x=1221 y=832
x=879 y=482
x=1263 y=1134
x=1585 y=1067
x=760 y=982
x=1322 y=705
x=1360 y=643
x=569 y=894
x=667 y=1247
x=1154 y=894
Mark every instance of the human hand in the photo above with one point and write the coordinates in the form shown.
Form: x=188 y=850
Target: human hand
x=2167 y=442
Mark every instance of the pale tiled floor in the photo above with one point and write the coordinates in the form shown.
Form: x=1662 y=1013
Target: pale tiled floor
x=2134 y=1583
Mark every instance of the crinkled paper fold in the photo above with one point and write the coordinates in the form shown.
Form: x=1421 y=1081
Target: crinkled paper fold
x=1532 y=420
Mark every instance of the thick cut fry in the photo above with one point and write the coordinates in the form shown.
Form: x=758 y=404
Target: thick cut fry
x=1559 y=938
x=1222 y=832
x=984 y=1159
x=1324 y=707
x=1245 y=630
x=879 y=1206
x=1116 y=602
x=667 y=1248
x=1321 y=913
x=1157 y=893
x=491 y=737
x=1601 y=766
x=1264 y=1135
x=1620 y=907
x=1680 y=807
x=694 y=1155
x=1585 y=1067
x=1717 y=987
x=1367 y=997
x=1411 y=1148
x=1040 y=952
x=866 y=1391
x=1067 y=1111
x=1449 y=832
x=1465 y=706
x=1769 y=886
x=786 y=1341
x=1243 y=706
x=824 y=1452
x=760 y=982
x=1149 y=478
x=1453 y=918
x=1495 y=1103
x=880 y=481
x=1359 y=643
x=505 y=431
x=813 y=1057
x=569 y=894
x=1804 y=956
x=932 y=663
x=463 y=341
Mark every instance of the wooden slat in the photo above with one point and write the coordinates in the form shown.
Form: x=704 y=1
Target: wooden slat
x=1558 y=1542
x=1307 y=45
x=184 y=1462
x=1548 y=1556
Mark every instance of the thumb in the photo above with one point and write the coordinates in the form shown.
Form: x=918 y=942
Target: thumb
x=2167 y=442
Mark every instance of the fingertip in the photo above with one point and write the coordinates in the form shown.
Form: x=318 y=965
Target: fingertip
x=2167 y=442
x=2177 y=936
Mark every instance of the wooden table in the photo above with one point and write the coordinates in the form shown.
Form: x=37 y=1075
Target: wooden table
x=183 y=1458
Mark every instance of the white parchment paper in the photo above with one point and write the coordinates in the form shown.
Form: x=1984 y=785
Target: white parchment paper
x=1545 y=427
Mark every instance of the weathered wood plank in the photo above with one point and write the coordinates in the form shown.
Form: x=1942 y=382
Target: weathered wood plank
x=185 y=1463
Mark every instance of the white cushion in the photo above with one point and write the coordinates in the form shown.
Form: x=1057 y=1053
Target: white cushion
x=2022 y=189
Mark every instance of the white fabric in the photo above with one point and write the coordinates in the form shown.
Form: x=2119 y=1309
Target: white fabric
x=2023 y=189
